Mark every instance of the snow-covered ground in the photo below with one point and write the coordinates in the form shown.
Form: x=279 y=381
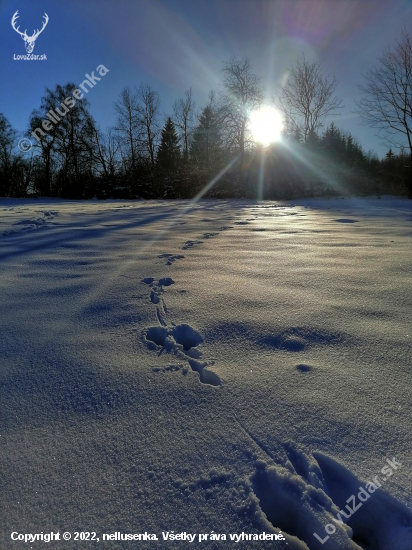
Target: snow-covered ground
x=227 y=366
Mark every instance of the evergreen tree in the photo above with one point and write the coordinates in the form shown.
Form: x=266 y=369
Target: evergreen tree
x=334 y=142
x=312 y=141
x=206 y=151
x=296 y=136
x=390 y=155
x=168 y=154
x=354 y=155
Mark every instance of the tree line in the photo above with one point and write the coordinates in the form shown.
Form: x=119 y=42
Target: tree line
x=210 y=151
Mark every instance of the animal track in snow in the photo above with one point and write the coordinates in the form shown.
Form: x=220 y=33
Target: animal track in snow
x=181 y=340
x=32 y=224
x=191 y=244
x=156 y=296
x=304 y=368
x=166 y=281
x=170 y=258
x=183 y=335
x=206 y=376
x=304 y=496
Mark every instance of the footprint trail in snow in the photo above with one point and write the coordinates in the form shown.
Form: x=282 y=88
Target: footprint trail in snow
x=180 y=340
x=307 y=498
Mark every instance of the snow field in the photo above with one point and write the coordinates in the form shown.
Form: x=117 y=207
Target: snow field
x=227 y=365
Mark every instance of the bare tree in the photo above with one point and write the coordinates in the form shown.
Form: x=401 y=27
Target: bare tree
x=307 y=98
x=387 y=96
x=183 y=109
x=241 y=94
x=46 y=162
x=127 y=123
x=149 y=112
x=106 y=152
x=73 y=144
x=66 y=147
x=7 y=141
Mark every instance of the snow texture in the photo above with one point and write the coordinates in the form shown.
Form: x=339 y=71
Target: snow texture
x=254 y=384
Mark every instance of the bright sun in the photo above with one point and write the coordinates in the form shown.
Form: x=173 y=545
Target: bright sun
x=266 y=125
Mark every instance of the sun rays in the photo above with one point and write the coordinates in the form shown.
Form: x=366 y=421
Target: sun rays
x=266 y=125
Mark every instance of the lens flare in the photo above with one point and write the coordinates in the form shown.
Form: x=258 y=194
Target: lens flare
x=266 y=125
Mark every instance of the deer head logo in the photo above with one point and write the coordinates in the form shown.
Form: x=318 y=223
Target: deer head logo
x=29 y=41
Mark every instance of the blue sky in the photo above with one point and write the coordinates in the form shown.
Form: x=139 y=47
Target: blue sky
x=176 y=44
